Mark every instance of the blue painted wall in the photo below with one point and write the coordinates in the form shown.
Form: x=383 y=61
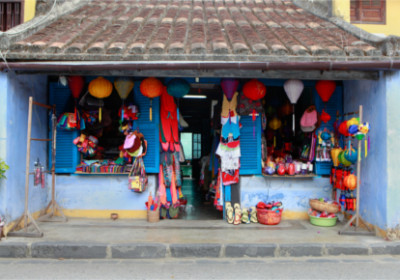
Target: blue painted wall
x=103 y=192
x=393 y=148
x=3 y=137
x=374 y=179
x=16 y=90
x=294 y=193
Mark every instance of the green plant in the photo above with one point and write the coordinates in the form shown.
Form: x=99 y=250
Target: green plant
x=3 y=168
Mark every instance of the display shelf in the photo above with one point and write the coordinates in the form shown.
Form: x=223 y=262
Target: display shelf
x=291 y=176
x=99 y=173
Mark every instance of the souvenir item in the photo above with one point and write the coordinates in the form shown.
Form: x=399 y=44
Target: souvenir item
x=293 y=89
x=100 y=88
x=151 y=88
x=123 y=87
x=229 y=87
x=137 y=176
x=254 y=89
x=325 y=89
x=178 y=87
x=309 y=119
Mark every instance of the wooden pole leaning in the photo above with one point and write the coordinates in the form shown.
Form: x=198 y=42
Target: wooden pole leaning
x=53 y=205
x=346 y=228
x=27 y=215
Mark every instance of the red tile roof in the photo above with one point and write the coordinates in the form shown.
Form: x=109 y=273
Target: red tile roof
x=182 y=30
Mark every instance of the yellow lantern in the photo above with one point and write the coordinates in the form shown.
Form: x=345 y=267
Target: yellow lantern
x=335 y=156
x=275 y=123
x=100 y=88
x=353 y=121
x=123 y=87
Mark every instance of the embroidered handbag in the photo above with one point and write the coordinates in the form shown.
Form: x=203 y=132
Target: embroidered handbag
x=67 y=121
x=137 y=177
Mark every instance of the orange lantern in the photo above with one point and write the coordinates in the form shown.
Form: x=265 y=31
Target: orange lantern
x=151 y=88
x=350 y=182
x=254 y=89
x=100 y=88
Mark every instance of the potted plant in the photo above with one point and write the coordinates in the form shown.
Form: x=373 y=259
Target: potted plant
x=3 y=168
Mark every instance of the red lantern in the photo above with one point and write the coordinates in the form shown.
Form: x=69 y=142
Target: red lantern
x=325 y=117
x=254 y=90
x=151 y=88
x=343 y=129
x=76 y=84
x=325 y=89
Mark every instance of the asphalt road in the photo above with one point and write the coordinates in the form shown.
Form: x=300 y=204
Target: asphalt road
x=385 y=267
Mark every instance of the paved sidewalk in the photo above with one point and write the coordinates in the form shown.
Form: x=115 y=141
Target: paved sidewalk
x=97 y=238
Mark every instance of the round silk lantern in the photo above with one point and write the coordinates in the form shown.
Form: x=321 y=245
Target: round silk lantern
x=229 y=87
x=325 y=89
x=123 y=87
x=178 y=88
x=335 y=156
x=254 y=90
x=364 y=128
x=343 y=160
x=343 y=129
x=350 y=155
x=286 y=109
x=353 y=129
x=353 y=121
x=350 y=182
x=76 y=84
x=359 y=136
x=325 y=117
x=151 y=88
x=275 y=123
x=293 y=89
x=100 y=88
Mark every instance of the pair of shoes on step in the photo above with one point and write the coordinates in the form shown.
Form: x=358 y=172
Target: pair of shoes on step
x=245 y=216
x=238 y=214
x=253 y=214
x=229 y=212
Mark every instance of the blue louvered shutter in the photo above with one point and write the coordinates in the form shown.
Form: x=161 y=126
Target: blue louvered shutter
x=67 y=155
x=150 y=129
x=332 y=107
x=250 y=146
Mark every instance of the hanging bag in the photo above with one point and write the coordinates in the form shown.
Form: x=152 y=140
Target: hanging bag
x=137 y=176
x=67 y=121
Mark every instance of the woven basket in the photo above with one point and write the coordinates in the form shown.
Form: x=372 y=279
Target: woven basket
x=269 y=217
x=323 y=206
x=153 y=216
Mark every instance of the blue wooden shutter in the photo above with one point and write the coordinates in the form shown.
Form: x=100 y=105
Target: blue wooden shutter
x=334 y=105
x=250 y=146
x=67 y=155
x=150 y=129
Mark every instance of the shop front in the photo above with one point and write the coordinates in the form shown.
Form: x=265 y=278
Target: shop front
x=248 y=118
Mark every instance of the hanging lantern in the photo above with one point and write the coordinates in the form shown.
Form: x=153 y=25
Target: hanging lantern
x=353 y=121
x=286 y=109
x=151 y=88
x=123 y=87
x=364 y=128
x=178 y=88
x=229 y=87
x=325 y=117
x=343 y=160
x=254 y=89
x=325 y=89
x=76 y=84
x=293 y=89
x=335 y=156
x=100 y=88
x=275 y=123
x=350 y=182
x=353 y=129
x=343 y=128
x=350 y=154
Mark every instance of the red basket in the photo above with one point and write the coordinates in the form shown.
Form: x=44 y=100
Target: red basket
x=269 y=217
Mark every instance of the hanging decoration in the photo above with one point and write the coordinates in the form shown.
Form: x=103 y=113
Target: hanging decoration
x=178 y=88
x=275 y=124
x=335 y=155
x=325 y=117
x=254 y=90
x=293 y=89
x=350 y=182
x=325 y=89
x=124 y=88
x=229 y=87
x=100 y=88
x=76 y=84
x=151 y=88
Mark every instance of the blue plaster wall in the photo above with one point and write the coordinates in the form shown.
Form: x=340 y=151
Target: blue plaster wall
x=393 y=148
x=17 y=89
x=374 y=178
x=294 y=193
x=102 y=192
x=3 y=137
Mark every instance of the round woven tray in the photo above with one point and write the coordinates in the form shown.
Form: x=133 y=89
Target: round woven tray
x=323 y=206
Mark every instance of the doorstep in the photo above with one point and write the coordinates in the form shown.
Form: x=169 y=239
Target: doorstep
x=98 y=238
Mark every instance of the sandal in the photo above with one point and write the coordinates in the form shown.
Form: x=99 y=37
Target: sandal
x=229 y=212
x=245 y=216
x=238 y=214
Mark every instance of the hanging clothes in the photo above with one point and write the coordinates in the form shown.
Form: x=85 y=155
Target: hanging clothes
x=229 y=107
x=169 y=131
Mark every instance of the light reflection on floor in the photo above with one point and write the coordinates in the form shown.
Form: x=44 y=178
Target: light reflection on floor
x=197 y=208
